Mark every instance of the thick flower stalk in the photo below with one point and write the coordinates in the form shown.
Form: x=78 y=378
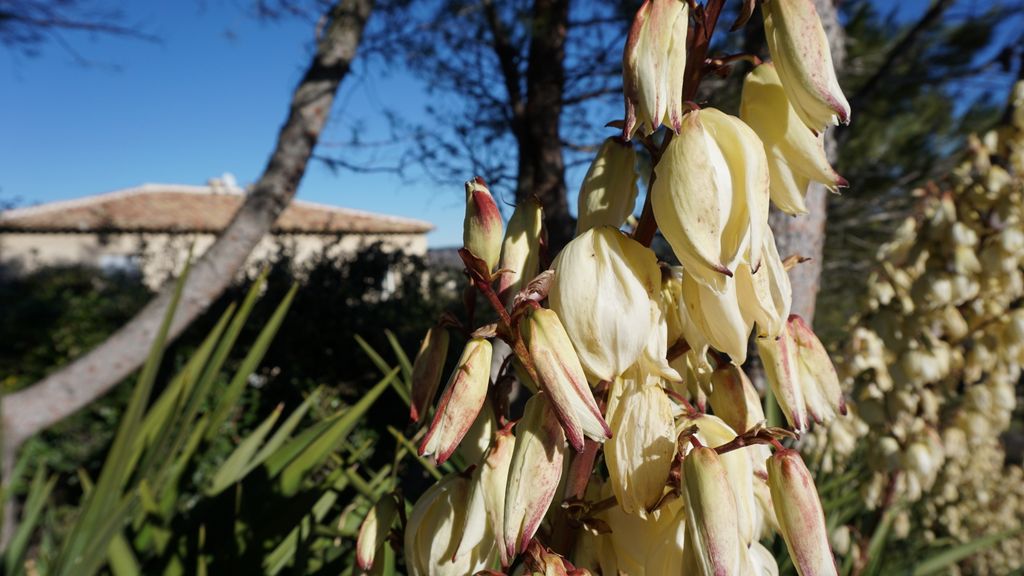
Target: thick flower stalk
x=580 y=406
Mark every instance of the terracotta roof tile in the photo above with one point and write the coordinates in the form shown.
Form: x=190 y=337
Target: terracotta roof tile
x=174 y=208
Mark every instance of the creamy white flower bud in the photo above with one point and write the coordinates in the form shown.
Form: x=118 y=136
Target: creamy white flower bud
x=800 y=515
x=461 y=401
x=374 y=530
x=822 y=392
x=710 y=195
x=602 y=290
x=608 y=194
x=803 y=59
x=796 y=155
x=713 y=432
x=653 y=66
x=426 y=371
x=520 y=252
x=489 y=480
x=643 y=444
x=562 y=377
x=482 y=227
x=780 y=366
x=533 y=475
x=712 y=528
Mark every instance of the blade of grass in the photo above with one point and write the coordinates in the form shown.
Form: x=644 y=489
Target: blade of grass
x=326 y=443
x=403 y=360
x=100 y=505
x=384 y=368
x=284 y=432
x=38 y=495
x=234 y=467
x=259 y=348
x=164 y=407
x=427 y=465
x=951 y=556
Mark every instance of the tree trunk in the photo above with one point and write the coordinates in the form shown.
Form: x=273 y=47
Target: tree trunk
x=541 y=164
x=805 y=235
x=29 y=411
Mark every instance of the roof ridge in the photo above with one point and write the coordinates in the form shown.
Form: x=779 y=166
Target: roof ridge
x=144 y=188
x=300 y=216
x=358 y=212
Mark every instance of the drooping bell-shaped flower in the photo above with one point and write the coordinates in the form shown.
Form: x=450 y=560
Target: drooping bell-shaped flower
x=783 y=373
x=712 y=529
x=800 y=515
x=641 y=450
x=608 y=194
x=734 y=399
x=710 y=196
x=520 y=252
x=437 y=542
x=602 y=290
x=644 y=545
x=713 y=432
x=765 y=295
x=562 y=377
x=718 y=316
x=800 y=50
x=654 y=65
x=426 y=371
x=488 y=486
x=482 y=227
x=461 y=401
x=374 y=530
x=796 y=155
x=533 y=474
x=822 y=391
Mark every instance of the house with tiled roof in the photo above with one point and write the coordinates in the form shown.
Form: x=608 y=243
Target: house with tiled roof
x=151 y=228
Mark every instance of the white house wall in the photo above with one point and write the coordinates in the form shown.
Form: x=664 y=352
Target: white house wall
x=159 y=255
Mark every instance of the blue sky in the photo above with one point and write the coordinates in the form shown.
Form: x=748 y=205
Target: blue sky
x=207 y=99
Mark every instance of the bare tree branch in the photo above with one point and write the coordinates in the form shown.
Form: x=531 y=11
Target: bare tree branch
x=28 y=22
x=508 y=58
x=27 y=412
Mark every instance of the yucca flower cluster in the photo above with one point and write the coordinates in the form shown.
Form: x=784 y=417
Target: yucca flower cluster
x=619 y=432
x=934 y=362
